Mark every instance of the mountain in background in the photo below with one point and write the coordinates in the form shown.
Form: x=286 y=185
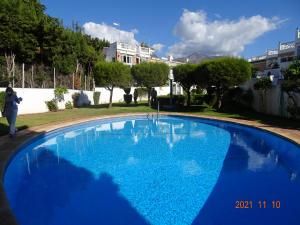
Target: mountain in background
x=195 y=58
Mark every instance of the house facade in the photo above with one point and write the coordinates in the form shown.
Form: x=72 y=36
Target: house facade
x=275 y=61
x=128 y=54
x=131 y=54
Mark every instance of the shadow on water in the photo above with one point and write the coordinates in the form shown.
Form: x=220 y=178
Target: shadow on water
x=254 y=171
x=56 y=188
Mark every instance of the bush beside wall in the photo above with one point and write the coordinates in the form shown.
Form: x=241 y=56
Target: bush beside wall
x=96 y=96
x=52 y=105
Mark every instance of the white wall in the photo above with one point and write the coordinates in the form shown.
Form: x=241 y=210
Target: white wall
x=275 y=101
x=34 y=98
x=119 y=93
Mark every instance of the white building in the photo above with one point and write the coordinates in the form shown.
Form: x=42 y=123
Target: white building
x=127 y=53
x=273 y=62
x=134 y=54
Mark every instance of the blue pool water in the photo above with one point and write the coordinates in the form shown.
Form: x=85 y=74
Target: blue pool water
x=165 y=171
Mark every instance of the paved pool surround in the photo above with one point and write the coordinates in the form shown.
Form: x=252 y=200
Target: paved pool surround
x=8 y=147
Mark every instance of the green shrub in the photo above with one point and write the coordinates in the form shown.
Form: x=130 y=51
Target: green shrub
x=263 y=84
x=96 y=97
x=294 y=111
x=2 y=100
x=75 y=98
x=247 y=97
x=52 y=105
x=237 y=97
x=164 y=100
x=69 y=105
x=197 y=99
x=210 y=99
x=127 y=96
x=59 y=93
x=4 y=81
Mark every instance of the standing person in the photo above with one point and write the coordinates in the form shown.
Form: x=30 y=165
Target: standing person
x=11 y=109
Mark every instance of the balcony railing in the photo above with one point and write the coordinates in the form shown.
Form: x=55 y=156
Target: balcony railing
x=272 y=52
x=287 y=45
x=127 y=46
x=257 y=58
x=145 y=49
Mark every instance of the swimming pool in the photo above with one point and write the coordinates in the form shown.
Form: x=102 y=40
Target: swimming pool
x=147 y=170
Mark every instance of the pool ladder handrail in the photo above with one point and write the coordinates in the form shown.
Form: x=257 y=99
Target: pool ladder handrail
x=157 y=109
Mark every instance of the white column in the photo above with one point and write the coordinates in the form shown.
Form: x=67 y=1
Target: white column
x=32 y=84
x=54 y=81
x=13 y=81
x=23 y=75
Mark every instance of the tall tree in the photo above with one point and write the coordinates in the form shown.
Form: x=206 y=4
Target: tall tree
x=185 y=75
x=111 y=75
x=223 y=73
x=150 y=75
x=28 y=35
x=291 y=86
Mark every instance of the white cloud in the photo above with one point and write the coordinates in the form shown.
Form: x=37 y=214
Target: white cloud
x=158 y=47
x=218 y=37
x=112 y=34
x=135 y=31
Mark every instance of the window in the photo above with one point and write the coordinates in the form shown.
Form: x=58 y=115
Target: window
x=128 y=59
x=137 y=61
x=113 y=59
x=283 y=60
x=124 y=59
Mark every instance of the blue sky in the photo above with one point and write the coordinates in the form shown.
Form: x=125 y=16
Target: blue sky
x=180 y=27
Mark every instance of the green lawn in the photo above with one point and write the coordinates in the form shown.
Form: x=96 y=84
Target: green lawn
x=26 y=121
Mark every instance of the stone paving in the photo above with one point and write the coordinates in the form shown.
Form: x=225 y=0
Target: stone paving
x=9 y=146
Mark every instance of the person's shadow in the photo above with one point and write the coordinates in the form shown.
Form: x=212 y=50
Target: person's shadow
x=56 y=192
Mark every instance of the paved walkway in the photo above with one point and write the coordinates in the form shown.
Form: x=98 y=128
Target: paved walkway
x=9 y=146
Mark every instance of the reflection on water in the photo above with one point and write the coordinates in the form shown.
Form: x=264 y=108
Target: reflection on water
x=166 y=171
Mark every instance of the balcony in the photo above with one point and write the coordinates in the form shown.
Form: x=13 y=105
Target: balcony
x=126 y=46
x=145 y=49
x=272 y=53
x=286 y=46
x=257 y=58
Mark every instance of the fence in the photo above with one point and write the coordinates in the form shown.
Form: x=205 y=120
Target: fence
x=40 y=76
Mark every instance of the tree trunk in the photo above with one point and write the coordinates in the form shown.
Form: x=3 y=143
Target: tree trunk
x=110 y=97
x=32 y=80
x=76 y=72
x=188 y=98
x=149 y=95
x=219 y=99
x=10 y=64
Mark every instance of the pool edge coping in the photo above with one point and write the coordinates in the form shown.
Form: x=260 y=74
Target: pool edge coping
x=28 y=135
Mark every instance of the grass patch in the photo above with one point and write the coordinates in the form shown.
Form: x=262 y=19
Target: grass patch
x=26 y=121
x=31 y=120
